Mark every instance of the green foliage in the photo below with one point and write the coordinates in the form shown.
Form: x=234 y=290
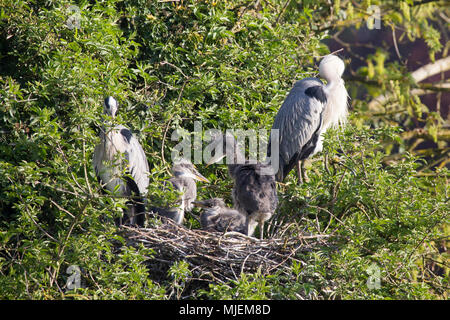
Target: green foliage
x=228 y=64
x=180 y=273
x=396 y=92
x=247 y=287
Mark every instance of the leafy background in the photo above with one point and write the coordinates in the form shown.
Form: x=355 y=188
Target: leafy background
x=382 y=195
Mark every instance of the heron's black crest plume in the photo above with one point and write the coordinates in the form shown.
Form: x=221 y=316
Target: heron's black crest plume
x=317 y=93
x=127 y=134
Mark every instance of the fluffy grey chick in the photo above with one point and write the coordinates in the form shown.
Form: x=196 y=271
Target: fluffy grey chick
x=216 y=216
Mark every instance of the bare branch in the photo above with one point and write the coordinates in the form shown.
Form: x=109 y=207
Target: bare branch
x=431 y=69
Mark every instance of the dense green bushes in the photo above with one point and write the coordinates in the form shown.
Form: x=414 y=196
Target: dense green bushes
x=228 y=64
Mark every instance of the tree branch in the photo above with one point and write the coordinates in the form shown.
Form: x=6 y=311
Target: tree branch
x=420 y=74
x=281 y=12
x=431 y=69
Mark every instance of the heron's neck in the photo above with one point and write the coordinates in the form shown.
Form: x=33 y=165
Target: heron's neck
x=106 y=129
x=333 y=82
x=189 y=193
x=179 y=217
x=234 y=156
x=337 y=107
x=108 y=120
x=238 y=159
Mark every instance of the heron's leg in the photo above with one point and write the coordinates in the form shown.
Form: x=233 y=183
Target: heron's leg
x=325 y=163
x=251 y=225
x=299 y=172
x=303 y=171
x=261 y=229
x=131 y=214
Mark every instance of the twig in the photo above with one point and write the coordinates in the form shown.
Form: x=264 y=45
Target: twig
x=63 y=243
x=163 y=143
x=213 y=255
x=281 y=12
x=394 y=39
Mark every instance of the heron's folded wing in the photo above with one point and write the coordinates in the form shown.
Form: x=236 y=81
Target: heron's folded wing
x=298 y=119
x=137 y=161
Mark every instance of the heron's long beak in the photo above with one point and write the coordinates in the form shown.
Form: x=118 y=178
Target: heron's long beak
x=199 y=177
x=215 y=159
x=199 y=204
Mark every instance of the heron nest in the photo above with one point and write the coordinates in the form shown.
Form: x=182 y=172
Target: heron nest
x=219 y=257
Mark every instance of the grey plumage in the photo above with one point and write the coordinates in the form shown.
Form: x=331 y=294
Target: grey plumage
x=117 y=153
x=183 y=181
x=254 y=191
x=216 y=216
x=307 y=112
x=299 y=121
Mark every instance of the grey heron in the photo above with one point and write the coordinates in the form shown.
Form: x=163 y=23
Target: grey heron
x=216 y=216
x=307 y=112
x=254 y=191
x=184 y=181
x=120 y=164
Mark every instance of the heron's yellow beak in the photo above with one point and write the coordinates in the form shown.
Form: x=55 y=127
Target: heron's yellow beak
x=199 y=177
x=215 y=159
x=199 y=204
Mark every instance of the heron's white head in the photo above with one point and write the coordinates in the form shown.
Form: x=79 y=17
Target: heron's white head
x=331 y=68
x=184 y=168
x=110 y=106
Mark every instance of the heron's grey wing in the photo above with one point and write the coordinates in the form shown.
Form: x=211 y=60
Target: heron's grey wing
x=103 y=172
x=298 y=120
x=239 y=223
x=137 y=161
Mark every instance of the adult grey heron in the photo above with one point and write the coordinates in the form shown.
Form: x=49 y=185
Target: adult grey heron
x=254 y=192
x=184 y=180
x=307 y=112
x=120 y=164
x=216 y=216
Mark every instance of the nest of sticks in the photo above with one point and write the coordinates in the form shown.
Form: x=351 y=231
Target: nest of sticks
x=220 y=257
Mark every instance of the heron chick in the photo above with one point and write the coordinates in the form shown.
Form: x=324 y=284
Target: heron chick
x=216 y=216
x=184 y=180
x=307 y=112
x=254 y=191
